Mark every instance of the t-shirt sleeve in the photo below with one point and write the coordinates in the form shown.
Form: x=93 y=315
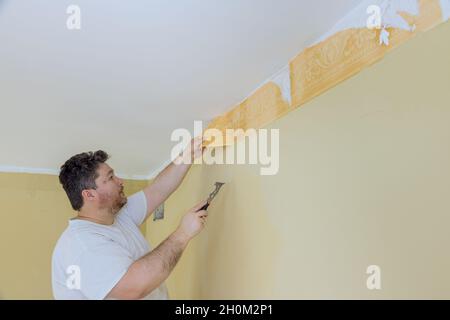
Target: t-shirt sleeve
x=101 y=268
x=136 y=208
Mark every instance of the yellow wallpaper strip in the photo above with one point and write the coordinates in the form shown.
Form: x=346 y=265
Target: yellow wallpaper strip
x=320 y=68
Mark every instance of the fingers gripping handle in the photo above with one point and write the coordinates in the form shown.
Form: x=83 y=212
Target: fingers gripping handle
x=218 y=185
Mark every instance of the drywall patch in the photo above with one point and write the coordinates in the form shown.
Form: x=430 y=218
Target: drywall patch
x=283 y=80
x=391 y=16
x=445 y=7
x=384 y=37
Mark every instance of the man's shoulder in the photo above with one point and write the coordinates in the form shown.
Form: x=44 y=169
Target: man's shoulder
x=68 y=239
x=77 y=236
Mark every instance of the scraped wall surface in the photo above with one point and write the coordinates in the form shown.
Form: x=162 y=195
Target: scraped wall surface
x=34 y=211
x=364 y=180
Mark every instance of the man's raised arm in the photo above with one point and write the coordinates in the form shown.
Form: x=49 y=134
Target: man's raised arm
x=168 y=180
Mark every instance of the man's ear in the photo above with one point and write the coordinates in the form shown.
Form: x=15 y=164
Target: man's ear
x=89 y=194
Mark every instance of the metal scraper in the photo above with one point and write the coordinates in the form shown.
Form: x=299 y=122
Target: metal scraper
x=211 y=196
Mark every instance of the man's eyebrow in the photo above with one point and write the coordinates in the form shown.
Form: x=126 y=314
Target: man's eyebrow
x=109 y=172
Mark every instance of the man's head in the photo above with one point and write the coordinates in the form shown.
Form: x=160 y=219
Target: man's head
x=89 y=181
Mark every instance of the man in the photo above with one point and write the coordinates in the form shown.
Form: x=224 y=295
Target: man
x=102 y=253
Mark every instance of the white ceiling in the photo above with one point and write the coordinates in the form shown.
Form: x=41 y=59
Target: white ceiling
x=137 y=70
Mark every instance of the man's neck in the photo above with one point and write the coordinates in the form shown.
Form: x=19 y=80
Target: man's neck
x=104 y=217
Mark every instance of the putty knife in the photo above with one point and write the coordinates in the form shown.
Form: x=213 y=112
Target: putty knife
x=211 y=196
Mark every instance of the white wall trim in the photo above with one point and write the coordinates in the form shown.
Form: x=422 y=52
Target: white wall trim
x=14 y=169
x=53 y=172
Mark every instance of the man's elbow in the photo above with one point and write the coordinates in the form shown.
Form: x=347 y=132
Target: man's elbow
x=134 y=285
x=124 y=295
x=128 y=294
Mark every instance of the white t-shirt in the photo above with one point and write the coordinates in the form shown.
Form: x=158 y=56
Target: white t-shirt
x=89 y=258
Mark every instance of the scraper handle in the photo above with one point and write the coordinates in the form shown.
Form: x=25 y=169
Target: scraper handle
x=204 y=207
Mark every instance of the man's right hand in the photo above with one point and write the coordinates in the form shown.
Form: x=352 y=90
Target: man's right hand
x=147 y=273
x=193 y=222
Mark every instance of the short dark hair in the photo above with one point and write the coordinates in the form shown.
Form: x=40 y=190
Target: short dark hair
x=79 y=173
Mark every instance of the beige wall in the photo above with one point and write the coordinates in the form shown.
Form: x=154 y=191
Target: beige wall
x=34 y=211
x=364 y=179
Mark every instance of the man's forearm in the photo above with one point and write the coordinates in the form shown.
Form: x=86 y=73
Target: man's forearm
x=157 y=265
x=165 y=183
x=169 y=252
x=168 y=180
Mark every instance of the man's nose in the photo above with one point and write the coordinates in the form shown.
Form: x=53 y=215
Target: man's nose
x=120 y=181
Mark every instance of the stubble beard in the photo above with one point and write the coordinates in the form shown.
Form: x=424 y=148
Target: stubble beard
x=119 y=203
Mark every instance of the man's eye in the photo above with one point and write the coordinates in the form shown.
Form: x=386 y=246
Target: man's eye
x=111 y=178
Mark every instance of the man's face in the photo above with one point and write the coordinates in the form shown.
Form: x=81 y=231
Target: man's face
x=109 y=189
